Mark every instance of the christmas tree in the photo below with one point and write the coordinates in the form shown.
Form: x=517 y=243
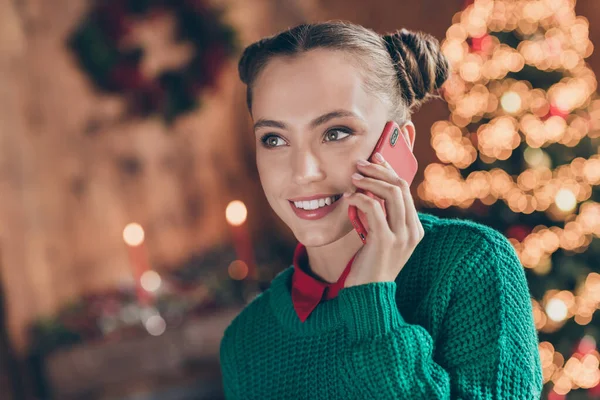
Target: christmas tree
x=520 y=152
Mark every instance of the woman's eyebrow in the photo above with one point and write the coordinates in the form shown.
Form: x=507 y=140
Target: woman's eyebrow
x=313 y=124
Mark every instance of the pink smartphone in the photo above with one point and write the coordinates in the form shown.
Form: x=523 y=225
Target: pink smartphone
x=397 y=152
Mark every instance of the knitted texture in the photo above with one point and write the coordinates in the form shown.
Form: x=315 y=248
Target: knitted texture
x=457 y=323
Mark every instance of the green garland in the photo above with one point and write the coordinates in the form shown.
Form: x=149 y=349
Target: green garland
x=98 y=46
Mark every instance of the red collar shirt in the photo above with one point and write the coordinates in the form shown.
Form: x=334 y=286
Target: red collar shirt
x=308 y=292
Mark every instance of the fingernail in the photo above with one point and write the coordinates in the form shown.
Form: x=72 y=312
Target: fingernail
x=357 y=176
x=378 y=157
x=346 y=194
x=363 y=162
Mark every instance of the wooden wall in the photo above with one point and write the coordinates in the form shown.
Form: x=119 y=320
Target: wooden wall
x=72 y=175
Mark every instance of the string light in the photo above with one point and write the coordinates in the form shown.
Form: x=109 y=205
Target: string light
x=565 y=200
x=483 y=87
x=556 y=310
x=511 y=102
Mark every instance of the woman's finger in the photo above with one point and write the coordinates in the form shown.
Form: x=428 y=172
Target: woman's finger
x=382 y=171
x=378 y=226
x=413 y=224
x=412 y=219
x=392 y=194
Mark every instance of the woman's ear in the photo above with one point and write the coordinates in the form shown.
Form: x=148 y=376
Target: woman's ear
x=408 y=131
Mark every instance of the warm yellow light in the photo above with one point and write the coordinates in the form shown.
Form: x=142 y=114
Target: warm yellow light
x=133 y=234
x=556 y=309
x=565 y=200
x=236 y=213
x=470 y=71
x=511 y=102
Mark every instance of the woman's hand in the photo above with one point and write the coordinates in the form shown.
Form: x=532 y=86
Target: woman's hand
x=392 y=240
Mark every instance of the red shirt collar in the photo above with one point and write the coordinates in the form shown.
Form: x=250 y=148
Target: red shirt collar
x=307 y=292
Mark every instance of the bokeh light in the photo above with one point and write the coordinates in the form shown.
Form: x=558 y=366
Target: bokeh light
x=236 y=213
x=133 y=234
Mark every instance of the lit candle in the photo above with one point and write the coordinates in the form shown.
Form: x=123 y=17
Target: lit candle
x=236 y=214
x=133 y=234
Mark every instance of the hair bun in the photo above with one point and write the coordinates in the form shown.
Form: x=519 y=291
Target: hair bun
x=420 y=65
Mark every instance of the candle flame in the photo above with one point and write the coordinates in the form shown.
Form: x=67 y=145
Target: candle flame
x=133 y=234
x=236 y=213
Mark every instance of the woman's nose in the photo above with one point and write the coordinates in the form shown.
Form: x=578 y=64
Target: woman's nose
x=306 y=168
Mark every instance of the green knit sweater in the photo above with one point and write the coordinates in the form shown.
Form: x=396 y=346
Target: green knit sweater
x=457 y=323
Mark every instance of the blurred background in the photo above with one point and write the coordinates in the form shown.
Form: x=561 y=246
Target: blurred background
x=133 y=226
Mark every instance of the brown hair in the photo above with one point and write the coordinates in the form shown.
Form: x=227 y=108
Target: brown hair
x=405 y=67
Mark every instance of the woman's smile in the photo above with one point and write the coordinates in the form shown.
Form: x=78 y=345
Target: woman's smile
x=316 y=208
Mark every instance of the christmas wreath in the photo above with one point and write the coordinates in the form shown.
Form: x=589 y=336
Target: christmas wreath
x=159 y=54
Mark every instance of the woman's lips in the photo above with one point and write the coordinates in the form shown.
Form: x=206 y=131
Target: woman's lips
x=315 y=214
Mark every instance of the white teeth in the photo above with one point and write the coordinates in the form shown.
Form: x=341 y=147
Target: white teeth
x=314 y=204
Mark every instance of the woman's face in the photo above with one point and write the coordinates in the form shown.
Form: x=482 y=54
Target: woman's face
x=313 y=120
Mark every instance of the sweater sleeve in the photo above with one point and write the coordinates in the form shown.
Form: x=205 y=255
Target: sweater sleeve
x=488 y=347
x=228 y=366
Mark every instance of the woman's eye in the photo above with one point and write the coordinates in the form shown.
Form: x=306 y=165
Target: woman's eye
x=269 y=140
x=334 y=134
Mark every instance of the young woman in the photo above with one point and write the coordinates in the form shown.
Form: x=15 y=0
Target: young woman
x=428 y=308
